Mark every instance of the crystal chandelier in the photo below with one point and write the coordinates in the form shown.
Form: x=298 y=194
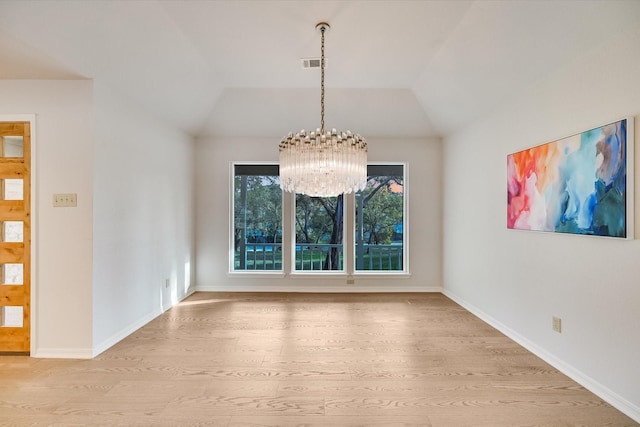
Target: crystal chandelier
x=323 y=164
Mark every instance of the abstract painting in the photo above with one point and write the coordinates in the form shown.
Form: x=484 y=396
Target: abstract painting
x=574 y=185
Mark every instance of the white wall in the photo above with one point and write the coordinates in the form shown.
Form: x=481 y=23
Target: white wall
x=100 y=268
x=63 y=163
x=518 y=280
x=213 y=159
x=143 y=218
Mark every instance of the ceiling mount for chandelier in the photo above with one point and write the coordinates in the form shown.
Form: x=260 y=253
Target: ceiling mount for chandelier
x=323 y=163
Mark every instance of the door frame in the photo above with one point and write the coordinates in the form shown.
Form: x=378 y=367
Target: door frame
x=31 y=118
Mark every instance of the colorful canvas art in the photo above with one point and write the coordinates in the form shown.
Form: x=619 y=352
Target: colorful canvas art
x=575 y=185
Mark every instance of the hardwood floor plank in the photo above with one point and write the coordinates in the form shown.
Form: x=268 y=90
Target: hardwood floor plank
x=504 y=416
x=211 y=405
x=530 y=402
x=114 y=421
x=244 y=388
x=329 y=421
x=352 y=388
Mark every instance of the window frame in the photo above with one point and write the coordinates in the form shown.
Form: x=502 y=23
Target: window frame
x=288 y=207
x=405 y=230
x=294 y=243
x=231 y=268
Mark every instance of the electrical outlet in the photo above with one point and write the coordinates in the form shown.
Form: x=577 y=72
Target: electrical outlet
x=167 y=283
x=556 y=324
x=351 y=282
x=67 y=200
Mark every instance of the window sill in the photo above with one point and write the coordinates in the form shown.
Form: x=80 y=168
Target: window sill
x=382 y=274
x=318 y=274
x=256 y=273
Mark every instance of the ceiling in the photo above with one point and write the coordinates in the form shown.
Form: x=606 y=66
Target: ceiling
x=232 y=68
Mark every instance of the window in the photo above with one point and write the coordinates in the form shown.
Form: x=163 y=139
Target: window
x=317 y=225
x=379 y=224
x=319 y=233
x=257 y=219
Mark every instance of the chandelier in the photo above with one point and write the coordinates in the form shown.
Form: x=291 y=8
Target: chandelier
x=323 y=164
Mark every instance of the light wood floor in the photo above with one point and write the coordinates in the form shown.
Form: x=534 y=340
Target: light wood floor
x=303 y=360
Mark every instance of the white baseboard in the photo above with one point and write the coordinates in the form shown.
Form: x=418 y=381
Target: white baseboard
x=609 y=396
x=90 y=353
x=316 y=289
x=125 y=332
x=63 y=353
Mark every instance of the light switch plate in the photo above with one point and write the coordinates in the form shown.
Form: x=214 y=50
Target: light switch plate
x=67 y=200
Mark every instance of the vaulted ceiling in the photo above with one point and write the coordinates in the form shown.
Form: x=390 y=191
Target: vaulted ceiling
x=231 y=67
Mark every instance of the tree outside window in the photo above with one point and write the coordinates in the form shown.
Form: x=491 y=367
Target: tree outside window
x=257 y=228
x=319 y=233
x=380 y=220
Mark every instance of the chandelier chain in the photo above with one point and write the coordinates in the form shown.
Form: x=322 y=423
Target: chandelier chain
x=322 y=29
x=322 y=163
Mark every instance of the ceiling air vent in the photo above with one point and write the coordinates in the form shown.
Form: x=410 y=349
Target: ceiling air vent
x=312 y=62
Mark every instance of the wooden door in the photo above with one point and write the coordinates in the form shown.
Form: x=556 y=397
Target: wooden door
x=15 y=236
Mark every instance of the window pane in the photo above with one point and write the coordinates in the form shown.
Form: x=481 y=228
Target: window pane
x=12 y=231
x=380 y=220
x=12 y=146
x=257 y=218
x=11 y=316
x=12 y=274
x=12 y=189
x=319 y=233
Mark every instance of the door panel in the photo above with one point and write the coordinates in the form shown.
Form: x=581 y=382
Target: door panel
x=15 y=236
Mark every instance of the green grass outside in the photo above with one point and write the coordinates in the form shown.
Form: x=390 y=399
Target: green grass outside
x=268 y=264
